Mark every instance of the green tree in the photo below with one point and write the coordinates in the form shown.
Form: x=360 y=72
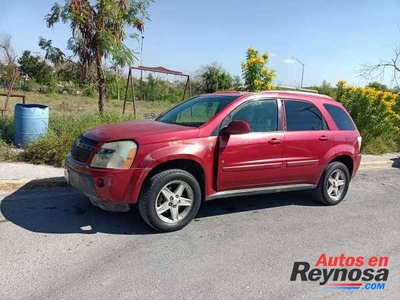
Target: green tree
x=36 y=68
x=378 y=86
x=257 y=76
x=325 y=88
x=115 y=75
x=237 y=83
x=70 y=71
x=150 y=90
x=67 y=70
x=53 y=54
x=214 y=78
x=99 y=29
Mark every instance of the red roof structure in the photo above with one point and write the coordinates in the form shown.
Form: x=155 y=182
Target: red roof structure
x=159 y=70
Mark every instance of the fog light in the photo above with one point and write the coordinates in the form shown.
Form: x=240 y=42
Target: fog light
x=100 y=182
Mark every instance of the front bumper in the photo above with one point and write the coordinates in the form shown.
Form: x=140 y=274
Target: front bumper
x=84 y=183
x=109 y=189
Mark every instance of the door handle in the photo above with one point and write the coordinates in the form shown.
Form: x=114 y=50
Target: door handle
x=323 y=138
x=274 y=141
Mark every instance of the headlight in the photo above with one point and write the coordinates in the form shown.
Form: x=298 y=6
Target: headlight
x=115 y=155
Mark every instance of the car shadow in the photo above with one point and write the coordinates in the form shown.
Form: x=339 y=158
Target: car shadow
x=396 y=162
x=258 y=202
x=64 y=210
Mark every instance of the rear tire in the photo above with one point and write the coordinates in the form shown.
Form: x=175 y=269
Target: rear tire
x=334 y=184
x=170 y=200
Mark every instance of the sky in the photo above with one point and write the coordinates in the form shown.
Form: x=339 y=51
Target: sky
x=332 y=38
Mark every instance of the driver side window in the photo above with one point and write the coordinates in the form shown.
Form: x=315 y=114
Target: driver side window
x=262 y=115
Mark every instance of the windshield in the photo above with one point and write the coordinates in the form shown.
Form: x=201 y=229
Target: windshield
x=196 y=111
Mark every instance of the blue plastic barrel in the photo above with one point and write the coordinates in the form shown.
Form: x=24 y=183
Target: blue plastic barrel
x=30 y=122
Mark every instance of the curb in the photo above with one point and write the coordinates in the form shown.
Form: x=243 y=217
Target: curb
x=10 y=184
x=31 y=184
x=377 y=164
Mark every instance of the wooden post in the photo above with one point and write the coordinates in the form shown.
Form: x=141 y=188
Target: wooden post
x=126 y=90
x=133 y=97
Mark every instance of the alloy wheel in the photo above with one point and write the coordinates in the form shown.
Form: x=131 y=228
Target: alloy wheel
x=336 y=184
x=174 y=201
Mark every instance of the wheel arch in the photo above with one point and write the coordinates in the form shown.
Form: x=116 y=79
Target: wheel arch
x=189 y=165
x=347 y=160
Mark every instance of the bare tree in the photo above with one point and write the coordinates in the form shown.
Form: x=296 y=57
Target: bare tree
x=7 y=62
x=7 y=54
x=382 y=68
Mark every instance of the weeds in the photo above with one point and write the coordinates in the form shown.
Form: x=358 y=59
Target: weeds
x=70 y=116
x=7 y=152
x=64 y=129
x=6 y=129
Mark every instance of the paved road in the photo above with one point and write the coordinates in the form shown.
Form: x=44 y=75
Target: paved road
x=55 y=245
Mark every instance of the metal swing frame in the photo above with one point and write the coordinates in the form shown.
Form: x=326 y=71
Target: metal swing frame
x=130 y=85
x=10 y=94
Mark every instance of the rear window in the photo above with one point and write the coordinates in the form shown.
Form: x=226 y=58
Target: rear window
x=341 y=118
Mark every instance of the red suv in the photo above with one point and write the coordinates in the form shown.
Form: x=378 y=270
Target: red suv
x=215 y=146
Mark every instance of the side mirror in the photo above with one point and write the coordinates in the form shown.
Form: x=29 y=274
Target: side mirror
x=236 y=127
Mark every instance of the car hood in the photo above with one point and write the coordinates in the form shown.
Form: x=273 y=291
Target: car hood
x=143 y=132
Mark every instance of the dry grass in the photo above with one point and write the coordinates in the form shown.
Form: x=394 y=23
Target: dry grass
x=69 y=117
x=62 y=104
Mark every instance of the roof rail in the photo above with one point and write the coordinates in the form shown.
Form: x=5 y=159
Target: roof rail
x=231 y=92
x=296 y=89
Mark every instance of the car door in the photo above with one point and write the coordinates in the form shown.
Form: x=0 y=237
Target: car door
x=307 y=142
x=252 y=159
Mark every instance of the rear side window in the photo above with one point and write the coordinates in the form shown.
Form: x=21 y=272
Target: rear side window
x=341 y=118
x=303 y=116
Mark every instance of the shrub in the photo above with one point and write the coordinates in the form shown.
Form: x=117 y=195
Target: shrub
x=380 y=144
x=257 y=77
x=6 y=152
x=50 y=149
x=6 y=129
x=30 y=85
x=89 y=92
x=63 y=130
x=375 y=114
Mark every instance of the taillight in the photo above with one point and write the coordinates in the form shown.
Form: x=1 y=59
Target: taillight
x=359 y=140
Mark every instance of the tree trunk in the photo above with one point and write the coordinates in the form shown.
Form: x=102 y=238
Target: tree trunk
x=101 y=83
x=117 y=81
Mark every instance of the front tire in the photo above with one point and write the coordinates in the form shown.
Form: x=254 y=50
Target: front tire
x=170 y=200
x=334 y=184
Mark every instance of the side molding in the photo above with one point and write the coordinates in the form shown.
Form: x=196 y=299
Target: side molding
x=261 y=190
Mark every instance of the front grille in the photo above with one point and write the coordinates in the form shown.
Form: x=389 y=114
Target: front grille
x=82 y=148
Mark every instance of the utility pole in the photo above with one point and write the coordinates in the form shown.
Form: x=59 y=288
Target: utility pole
x=302 y=71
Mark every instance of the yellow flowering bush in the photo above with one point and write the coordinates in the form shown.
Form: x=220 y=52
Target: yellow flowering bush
x=375 y=114
x=256 y=75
